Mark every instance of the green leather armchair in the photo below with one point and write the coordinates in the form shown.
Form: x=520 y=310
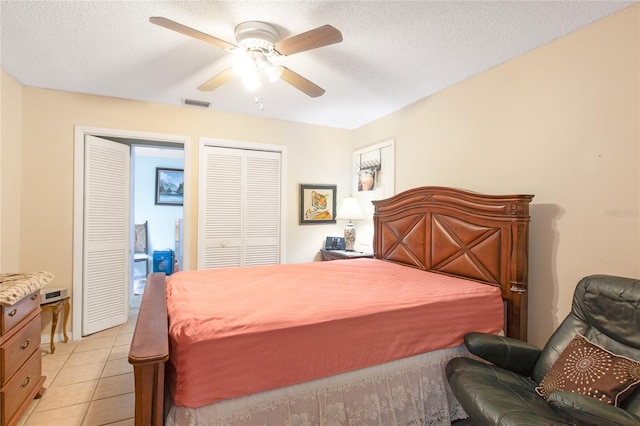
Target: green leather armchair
x=605 y=309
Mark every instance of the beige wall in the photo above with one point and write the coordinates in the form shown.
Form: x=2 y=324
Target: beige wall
x=561 y=122
x=10 y=181
x=316 y=155
x=49 y=120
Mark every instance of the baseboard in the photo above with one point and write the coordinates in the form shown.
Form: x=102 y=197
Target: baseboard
x=45 y=339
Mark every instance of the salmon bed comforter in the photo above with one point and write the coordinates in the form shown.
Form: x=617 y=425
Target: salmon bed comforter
x=238 y=331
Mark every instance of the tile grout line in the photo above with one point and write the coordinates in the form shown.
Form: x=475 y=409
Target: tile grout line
x=55 y=374
x=86 y=412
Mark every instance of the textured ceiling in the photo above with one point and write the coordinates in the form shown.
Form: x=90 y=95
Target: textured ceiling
x=393 y=54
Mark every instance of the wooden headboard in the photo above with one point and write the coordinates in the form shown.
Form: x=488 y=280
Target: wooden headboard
x=484 y=238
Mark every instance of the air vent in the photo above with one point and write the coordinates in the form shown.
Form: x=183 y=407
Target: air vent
x=193 y=102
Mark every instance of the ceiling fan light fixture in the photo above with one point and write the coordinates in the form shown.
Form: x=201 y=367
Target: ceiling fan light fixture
x=258 y=42
x=252 y=82
x=273 y=72
x=253 y=66
x=246 y=67
x=243 y=65
x=256 y=33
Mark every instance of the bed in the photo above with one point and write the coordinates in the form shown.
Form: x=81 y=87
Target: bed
x=367 y=362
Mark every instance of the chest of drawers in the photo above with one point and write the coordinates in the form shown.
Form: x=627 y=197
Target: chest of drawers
x=21 y=377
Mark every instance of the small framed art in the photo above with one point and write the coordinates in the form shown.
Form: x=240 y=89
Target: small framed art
x=169 y=186
x=317 y=204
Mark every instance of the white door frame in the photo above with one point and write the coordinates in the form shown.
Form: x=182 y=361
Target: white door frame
x=78 y=202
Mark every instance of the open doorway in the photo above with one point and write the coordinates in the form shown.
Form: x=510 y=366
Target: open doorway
x=157 y=198
x=85 y=296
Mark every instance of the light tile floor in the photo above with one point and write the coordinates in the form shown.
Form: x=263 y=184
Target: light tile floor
x=89 y=381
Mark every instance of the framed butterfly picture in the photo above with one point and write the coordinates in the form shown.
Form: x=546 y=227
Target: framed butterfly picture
x=317 y=204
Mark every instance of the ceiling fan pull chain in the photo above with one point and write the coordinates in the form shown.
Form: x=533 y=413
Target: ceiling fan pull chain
x=260 y=102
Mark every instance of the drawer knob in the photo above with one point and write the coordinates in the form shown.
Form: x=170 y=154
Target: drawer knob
x=26 y=382
x=34 y=297
x=25 y=344
x=13 y=313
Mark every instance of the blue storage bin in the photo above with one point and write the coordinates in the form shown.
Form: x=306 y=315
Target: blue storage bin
x=163 y=261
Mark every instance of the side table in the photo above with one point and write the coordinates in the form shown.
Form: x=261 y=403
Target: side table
x=54 y=308
x=342 y=254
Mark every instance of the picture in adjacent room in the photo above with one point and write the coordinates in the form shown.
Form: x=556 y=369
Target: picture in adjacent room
x=169 y=186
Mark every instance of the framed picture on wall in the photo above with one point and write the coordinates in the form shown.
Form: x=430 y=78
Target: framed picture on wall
x=169 y=186
x=367 y=179
x=317 y=204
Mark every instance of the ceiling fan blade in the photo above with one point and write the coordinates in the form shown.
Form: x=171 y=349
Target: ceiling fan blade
x=217 y=81
x=321 y=36
x=301 y=83
x=183 y=29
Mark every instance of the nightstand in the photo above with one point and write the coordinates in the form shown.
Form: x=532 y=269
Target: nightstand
x=342 y=254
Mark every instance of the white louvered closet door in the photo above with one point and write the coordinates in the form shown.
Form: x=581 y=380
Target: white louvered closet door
x=106 y=235
x=240 y=208
x=261 y=208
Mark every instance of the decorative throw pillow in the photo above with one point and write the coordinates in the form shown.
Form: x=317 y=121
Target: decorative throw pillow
x=588 y=369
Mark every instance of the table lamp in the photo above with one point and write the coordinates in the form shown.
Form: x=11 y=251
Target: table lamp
x=350 y=210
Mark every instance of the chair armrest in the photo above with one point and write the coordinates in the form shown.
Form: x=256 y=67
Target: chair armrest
x=588 y=410
x=506 y=352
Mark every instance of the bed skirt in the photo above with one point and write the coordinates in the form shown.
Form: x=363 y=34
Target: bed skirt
x=410 y=391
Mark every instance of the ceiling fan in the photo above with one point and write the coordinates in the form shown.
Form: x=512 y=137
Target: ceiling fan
x=259 y=42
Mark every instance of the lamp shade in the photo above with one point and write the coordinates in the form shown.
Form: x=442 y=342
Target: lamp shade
x=350 y=210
